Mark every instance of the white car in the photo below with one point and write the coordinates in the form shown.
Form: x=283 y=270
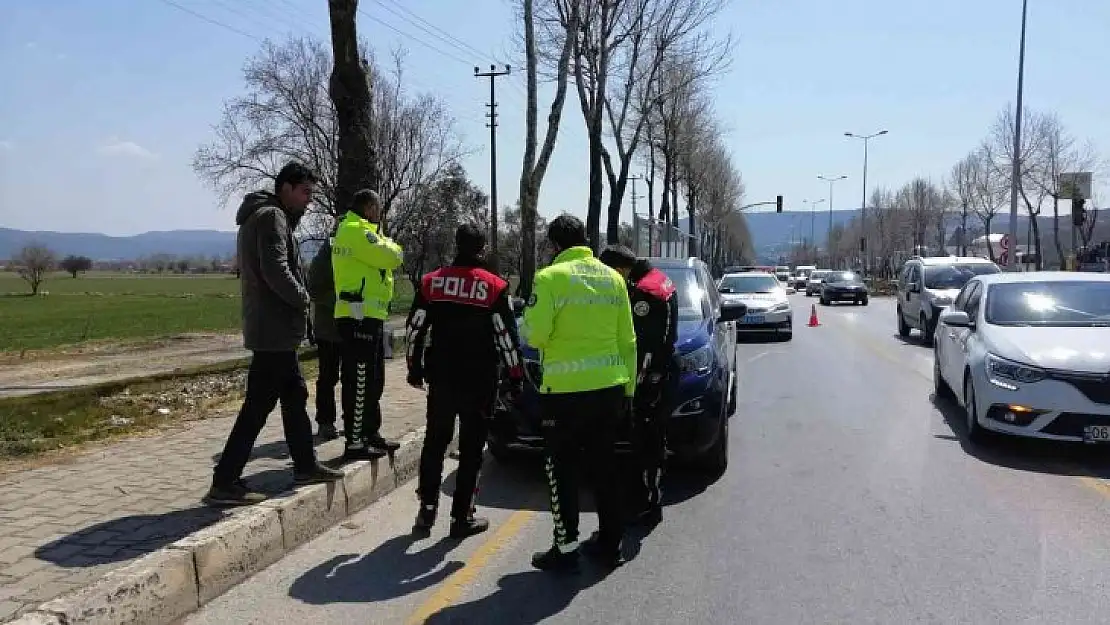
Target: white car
x=1029 y=354
x=768 y=306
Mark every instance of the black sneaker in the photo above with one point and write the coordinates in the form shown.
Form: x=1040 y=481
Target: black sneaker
x=318 y=474
x=606 y=555
x=327 y=432
x=469 y=526
x=351 y=454
x=425 y=519
x=236 y=494
x=556 y=561
x=375 y=441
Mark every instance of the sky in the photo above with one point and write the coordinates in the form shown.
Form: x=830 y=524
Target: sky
x=105 y=101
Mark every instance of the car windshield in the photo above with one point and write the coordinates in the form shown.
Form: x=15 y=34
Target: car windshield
x=1078 y=303
x=842 y=276
x=693 y=304
x=955 y=276
x=752 y=283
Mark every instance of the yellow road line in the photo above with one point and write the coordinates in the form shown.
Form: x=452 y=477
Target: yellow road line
x=452 y=588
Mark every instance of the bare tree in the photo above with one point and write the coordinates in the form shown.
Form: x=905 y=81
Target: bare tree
x=990 y=192
x=962 y=181
x=1090 y=219
x=33 y=262
x=537 y=158
x=999 y=148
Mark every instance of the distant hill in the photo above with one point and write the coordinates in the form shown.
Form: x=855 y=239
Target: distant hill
x=101 y=247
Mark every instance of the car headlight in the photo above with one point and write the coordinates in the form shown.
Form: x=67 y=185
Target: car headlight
x=1001 y=372
x=780 y=307
x=697 y=361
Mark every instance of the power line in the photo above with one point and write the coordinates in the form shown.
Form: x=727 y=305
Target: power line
x=413 y=37
x=210 y=20
x=444 y=36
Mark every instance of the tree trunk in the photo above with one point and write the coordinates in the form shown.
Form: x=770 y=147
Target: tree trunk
x=1036 y=226
x=349 y=89
x=691 y=202
x=665 y=205
x=1056 y=230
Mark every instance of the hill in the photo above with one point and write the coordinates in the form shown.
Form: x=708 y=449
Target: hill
x=101 y=247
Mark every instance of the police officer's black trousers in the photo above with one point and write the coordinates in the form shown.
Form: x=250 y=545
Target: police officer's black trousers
x=330 y=356
x=363 y=378
x=651 y=413
x=472 y=404
x=573 y=424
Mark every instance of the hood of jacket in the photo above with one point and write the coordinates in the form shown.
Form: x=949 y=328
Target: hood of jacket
x=254 y=201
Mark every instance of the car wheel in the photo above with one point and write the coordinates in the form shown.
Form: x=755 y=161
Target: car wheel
x=976 y=433
x=903 y=328
x=824 y=302
x=715 y=461
x=863 y=302
x=926 y=331
x=940 y=387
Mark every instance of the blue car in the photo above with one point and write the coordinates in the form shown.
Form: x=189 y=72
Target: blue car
x=706 y=357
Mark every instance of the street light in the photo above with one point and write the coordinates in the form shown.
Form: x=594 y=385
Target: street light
x=828 y=235
x=863 y=203
x=1015 y=173
x=812 y=214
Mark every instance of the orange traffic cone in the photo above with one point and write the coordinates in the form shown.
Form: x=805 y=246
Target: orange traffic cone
x=813 y=322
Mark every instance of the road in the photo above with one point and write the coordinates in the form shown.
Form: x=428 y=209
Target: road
x=849 y=499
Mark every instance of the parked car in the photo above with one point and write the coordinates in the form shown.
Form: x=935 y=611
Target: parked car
x=801 y=276
x=766 y=300
x=927 y=285
x=1025 y=354
x=843 y=286
x=813 y=284
x=706 y=359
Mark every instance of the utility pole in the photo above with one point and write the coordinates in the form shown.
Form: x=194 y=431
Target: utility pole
x=492 y=74
x=635 y=217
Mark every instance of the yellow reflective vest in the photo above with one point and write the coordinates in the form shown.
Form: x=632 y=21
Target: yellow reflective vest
x=579 y=319
x=362 y=264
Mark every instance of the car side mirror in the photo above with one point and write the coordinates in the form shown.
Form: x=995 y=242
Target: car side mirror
x=956 y=319
x=732 y=312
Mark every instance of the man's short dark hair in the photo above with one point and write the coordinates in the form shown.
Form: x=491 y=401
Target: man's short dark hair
x=295 y=174
x=469 y=240
x=618 y=257
x=567 y=231
x=364 y=198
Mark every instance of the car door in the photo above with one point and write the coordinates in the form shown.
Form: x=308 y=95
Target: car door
x=948 y=350
x=724 y=334
x=961 y=339
x=911 y=307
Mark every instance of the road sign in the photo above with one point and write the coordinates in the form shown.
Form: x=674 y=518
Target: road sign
x=1072 y=182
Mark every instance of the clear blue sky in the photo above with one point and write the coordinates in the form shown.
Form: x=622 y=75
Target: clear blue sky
x=105 y=101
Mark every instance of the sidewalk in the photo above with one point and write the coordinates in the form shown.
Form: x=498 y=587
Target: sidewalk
x=63 y=526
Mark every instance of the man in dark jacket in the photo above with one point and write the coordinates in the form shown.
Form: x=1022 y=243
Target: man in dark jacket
x=275 y=316
x=329 y=345
x=655 y=316
x=473 y=330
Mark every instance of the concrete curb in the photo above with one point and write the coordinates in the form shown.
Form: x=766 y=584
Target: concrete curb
x=164 y=586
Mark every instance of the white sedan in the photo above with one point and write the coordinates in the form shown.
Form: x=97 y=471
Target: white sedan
x=768 y=306
x=1029 y=354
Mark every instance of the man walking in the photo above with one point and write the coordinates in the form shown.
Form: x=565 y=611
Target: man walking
x=363 y=260
x=655 y=316
x=275 y=316
x=580 y=320
x=467 y=312
x=329 y=345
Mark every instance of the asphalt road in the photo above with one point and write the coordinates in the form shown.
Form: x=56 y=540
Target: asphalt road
x=849 y=499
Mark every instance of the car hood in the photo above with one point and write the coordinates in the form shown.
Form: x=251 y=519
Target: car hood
x=1071 y=349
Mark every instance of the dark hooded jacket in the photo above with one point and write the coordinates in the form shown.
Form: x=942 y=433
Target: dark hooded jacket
x=275 y=300
x=321 y=287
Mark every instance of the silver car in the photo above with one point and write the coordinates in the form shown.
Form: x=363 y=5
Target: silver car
x=769 y=309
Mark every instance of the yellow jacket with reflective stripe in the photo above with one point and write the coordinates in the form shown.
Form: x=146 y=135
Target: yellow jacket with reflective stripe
x=579 y=319
x=362 y=264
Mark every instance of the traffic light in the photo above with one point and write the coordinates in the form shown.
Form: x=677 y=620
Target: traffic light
x=1078 y=212
x=778 y=203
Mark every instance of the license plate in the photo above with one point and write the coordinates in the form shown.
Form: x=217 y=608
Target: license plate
x=1097 y=433
x=754 y=319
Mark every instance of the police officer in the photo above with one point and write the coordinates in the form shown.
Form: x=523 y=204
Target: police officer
x=329 y=345
x=473 y=331
x=579 y=318
x=363 y=260
x=655 y=315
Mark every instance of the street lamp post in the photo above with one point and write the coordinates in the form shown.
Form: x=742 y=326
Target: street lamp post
x=828 y=235
x=863 y=203
x=812 y=215
x=1015 y=173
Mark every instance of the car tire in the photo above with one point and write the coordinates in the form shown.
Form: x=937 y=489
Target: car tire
x=863 y=302
x=903 y=327
x=824 y=302
x=976 y=433
x=940 y=386
x=715 y=461
x=926 y=331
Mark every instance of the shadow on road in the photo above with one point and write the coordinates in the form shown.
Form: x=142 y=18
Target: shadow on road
x=521 y=598
x=914 y=340
x=392 y=570
x=1025 y=454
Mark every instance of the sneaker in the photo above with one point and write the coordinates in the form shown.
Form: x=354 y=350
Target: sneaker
x=425 y=519
x=351 y=454
x=236 y=494
x=318 y=474
x=469 y=526
x=606 y=555
x=556 y=560
x=375 y=441
x=327 y=432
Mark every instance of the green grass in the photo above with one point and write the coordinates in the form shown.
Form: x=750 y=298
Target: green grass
x=106 y=306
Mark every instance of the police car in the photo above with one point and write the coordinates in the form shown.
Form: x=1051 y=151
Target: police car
x=768 y=307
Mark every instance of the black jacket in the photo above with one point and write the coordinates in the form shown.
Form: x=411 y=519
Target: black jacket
x=655 y=316
x=321 y=287
x=472 y=328
x=275 y=301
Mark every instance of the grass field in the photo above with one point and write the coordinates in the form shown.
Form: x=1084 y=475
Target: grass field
x=107 y=306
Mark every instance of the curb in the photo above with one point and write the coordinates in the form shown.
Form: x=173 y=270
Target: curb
x=163 y=586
